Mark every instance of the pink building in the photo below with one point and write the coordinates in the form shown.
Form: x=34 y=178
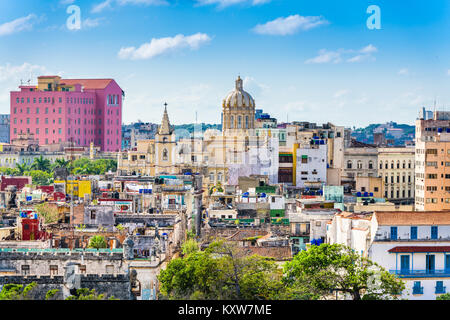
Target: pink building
x=63 y=110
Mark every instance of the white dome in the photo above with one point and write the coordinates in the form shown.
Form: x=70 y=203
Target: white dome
x=238 y=97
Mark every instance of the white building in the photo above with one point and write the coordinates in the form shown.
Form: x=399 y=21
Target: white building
x=415 y=246
x=311 y=164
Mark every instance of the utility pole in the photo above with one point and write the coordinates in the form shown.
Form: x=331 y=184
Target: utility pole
x=197 y=181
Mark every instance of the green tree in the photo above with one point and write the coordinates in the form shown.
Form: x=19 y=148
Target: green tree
x=97 y=242
x=61 y=163
x=17 y=291
x=50 y=214
x=221 y=271
x=445 y=296
x=87 y=166
x=323 y=270
x=40 y=178
x=86 y=294
x=41 y=164
x=22 y=168
x=10 y=171
x=51 y=294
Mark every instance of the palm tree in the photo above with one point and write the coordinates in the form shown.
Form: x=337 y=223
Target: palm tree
x=61 y=163
x=98 y=242
x=41 y=164
x=22 y=168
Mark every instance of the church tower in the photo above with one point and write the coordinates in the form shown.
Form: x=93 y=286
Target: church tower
x=165 y=146
x=238 y=112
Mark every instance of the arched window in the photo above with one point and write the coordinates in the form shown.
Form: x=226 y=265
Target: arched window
x=239 y=122
x=381 y=164
x=398 y=164
x=349 y=164
x=165 y=155
x=359 y=165
x=392 y=165
x=370 y=164
x=232 y=122
x=404 y=164
x=219 y=176
x=246 y=122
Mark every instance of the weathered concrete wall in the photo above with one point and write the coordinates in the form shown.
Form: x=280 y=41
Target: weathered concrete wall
x=118 y=286
x=39 y=263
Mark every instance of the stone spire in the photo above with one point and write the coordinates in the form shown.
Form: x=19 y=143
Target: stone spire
x=239 y=84
x=165 y=127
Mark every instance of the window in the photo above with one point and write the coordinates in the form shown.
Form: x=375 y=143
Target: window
x=430 y=263
x=359 y=164
x=165 y=156
x=110 y=269
x=93 y=216
x=440 y=287
x=83 y=269
x=25 y=269
x=53 y=270
x=417 y=288
x=393 y=233
x=349 y=164
x=413 y=233
x=434 y=232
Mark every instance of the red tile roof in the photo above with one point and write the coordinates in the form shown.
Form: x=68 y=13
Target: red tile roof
x=420 y=249
x=278 y=253
x=412 y=218
x=88 y=83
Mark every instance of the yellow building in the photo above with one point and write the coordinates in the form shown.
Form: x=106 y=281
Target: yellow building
x=80 y=188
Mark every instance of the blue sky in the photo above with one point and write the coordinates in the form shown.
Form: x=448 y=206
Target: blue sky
x=301 y=60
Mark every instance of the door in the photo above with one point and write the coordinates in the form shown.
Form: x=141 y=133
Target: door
x=430 y=263
x=404 y=264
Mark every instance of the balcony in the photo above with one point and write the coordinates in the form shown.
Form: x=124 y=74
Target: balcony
x=443 y=273
x=417 y=290
x=440 y=290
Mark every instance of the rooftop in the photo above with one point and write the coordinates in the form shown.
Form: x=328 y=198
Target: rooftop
x=408 y=218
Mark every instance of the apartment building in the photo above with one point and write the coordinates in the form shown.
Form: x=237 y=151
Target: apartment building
x=415 y=246
x=396 y=168
x=432 y=163
x=77 y=110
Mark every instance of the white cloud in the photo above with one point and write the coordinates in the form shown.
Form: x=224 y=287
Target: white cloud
x=361 y=58
x=338 y=56
x=91 y=23
x=20 y=24
x=403 y=72
x=369 y=49
x=340 y=93
x=143 y=2
x=11 y=77
x=66 y=2
x=325 y=57
x=289 y=25
x=101 y=6
x=108 y=4
x=160 y=46
x=227 y=3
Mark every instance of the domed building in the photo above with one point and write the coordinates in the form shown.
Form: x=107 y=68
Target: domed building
x=238 y=112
